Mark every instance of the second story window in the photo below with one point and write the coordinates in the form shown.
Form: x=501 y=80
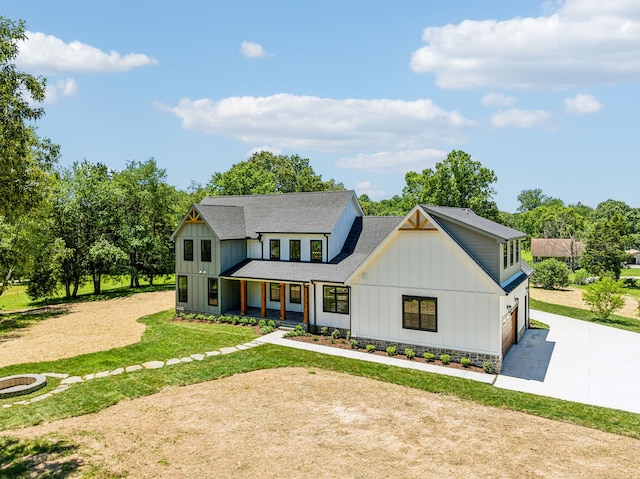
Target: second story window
x=512 y=250
x=205 y=251
x=518 y=251
x=294 y=250
x=274 y=250
x=316 y=251
x=188 y=250
x=505 y=255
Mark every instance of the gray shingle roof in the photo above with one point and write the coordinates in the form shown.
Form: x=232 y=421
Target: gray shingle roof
x=465 y=216
x=366 y=234
x=226 y=221
x=315 y=212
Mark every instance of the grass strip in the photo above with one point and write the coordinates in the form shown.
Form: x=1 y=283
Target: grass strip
x=614 y=321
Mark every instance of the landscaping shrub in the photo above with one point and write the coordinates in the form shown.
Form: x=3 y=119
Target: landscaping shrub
x=266 y=330
x=466 y=362
x=445 y=358
x=371 y=348
x=604 y=296
x=580 y=276
x=488 y=367
x=324 y=330
x=348 y=335
x=253 y=321
x=262 y=323
x=271 y=324
x=392 y=350
x=550 y=274
x=353 y=343
x=429 y=356
x=316 y=338
x=335 y=334
x=409 y=353
x=201 y=317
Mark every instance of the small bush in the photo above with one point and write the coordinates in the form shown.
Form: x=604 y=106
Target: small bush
x=266 y=330
x=201 y=317
x=348 y=335
x=466 y=362
x=580 y=276
x=370 y=348
x=271 y=324
x=488 y=367
x=262 y=323
x=445 y=358
x=189 y=316
x=409 y=353
x=429 y=356
x=550 y=274
x=332 y=341
x=392 y=350
x=353 y=343
x=324 y=330
x=335 y=334
x=299 y=329
x=316 y=338
x=253 y=321
x=234 y=320
x=211 y=318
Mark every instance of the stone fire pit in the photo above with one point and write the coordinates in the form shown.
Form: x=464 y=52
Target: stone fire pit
x=21 y=384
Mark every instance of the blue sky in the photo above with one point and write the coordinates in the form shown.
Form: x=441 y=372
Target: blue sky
x=544 y=93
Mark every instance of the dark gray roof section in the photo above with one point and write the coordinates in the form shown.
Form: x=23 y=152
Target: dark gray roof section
x=315 y=212
x=226 y=221
x=465 y=216
x=365 y=235
x=517 y=279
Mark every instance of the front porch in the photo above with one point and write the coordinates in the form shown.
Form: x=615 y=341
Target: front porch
x=292 y=319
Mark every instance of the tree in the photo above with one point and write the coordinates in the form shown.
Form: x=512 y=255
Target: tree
x=604 y=296
x=532 y=199
x=604 y=249
x=265 y=173
x=456 y=181
x=25 y=159
x=551 y=274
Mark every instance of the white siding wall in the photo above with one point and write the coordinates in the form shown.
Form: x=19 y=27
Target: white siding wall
x=254 y=249
x=332 y=320
x=341 y=229
x=427 y=264
x=305 y=245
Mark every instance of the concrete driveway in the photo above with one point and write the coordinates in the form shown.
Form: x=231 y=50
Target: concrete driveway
x=578 y=361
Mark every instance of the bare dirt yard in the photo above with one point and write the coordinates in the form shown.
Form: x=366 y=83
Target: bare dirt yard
x=84 y=328
x=571 y=296
x=298 y=423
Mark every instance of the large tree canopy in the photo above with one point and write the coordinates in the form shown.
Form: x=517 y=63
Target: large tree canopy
x=456 y=181
x=265 y=172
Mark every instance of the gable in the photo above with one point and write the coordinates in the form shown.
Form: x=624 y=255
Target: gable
x=418 y=221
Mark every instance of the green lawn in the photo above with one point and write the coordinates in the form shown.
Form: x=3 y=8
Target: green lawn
x=159 y=342
x=15 y=297
x=630 y=272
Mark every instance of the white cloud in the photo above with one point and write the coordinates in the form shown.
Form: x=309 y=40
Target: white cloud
x=582 y=104
x=252 y=50
x=498 y=100
x=520 y=118
x=326 y=124
x=583 y=42
x=393 y=161
x=372 y=191
x=270 y=149
x=47 y=53
x=66 y=87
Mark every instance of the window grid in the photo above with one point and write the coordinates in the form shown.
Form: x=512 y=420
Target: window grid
x=205 y=251
x=188 y=250
x=316 y=251
x=183 y=291
x=213 y=291
x=420 y=313
x=295 y=293
x=335 y=299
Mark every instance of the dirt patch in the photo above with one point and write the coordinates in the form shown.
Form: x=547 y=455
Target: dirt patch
x=293 y=422
x=573 y=297
x=85 y=328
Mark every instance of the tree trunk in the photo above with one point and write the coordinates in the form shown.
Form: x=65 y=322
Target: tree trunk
x=151 y=280
x=67 y=289
x=76 y=285
x=96 y=283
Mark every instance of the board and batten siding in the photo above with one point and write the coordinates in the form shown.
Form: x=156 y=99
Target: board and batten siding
x=232 y=252
x=322 y=318
x=427 y=264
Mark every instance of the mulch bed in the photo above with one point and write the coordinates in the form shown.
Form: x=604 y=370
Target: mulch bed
x=344 y=344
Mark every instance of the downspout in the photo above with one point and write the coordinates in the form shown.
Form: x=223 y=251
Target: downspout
x=326 y=235
x=261 y=246
x=315 y=307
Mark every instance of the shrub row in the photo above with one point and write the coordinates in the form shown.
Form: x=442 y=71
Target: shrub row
x=265 y=327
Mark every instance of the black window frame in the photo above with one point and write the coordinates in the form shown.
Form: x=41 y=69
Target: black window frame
x=297 y=298
x=272 y=243
x=505 y=255
x=291 y=249
x=420 y=326
x=331 y=301
x=274 y=287
x=312 y=258
x=512 y=248
x=212 y=293
x=183 y=293
x=187 y=253
x=205 y=252
x=517 y=251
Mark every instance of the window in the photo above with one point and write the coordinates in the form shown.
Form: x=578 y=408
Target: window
x=188 y=250
x=205 y=251
x=512 y=249
x=213 y=291
x=336 y=299
x=316 y=251
x=274 y=249
x=294 y=250
x=274 y=292
x=505 y=255
x=518 y=252
x=420 y=313
x=295 y=293
x=182 y=289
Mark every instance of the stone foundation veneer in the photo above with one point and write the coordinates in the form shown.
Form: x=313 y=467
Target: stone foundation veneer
x=476 y=358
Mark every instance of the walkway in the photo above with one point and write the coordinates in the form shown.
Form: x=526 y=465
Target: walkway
x=577 y=361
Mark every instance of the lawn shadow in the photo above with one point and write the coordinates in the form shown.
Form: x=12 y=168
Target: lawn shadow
x=529 y=359
x=12 y=322
x=41 y=457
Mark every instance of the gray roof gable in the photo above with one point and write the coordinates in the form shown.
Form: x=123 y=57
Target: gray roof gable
x=315 y=212
x=466 y=217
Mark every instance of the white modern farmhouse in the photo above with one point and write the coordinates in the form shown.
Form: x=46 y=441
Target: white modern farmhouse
x=440 y=279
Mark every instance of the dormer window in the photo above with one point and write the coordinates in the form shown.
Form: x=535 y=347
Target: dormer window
x=294 y=250
x=505 y=255
x=274 y=250
x=512 y=252
x=316 y=251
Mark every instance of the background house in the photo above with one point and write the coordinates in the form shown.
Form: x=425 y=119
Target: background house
x=440 y=279
x=567 y=250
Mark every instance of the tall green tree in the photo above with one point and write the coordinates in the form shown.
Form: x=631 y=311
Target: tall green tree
x=532 y=199
x=604 y=249
x=459 y=181
x=265 y=173
x=26 y=159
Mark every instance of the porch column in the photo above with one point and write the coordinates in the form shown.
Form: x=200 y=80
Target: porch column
x=283 y=300
x=243 y=297
x=305 y=302
x=263 y=300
